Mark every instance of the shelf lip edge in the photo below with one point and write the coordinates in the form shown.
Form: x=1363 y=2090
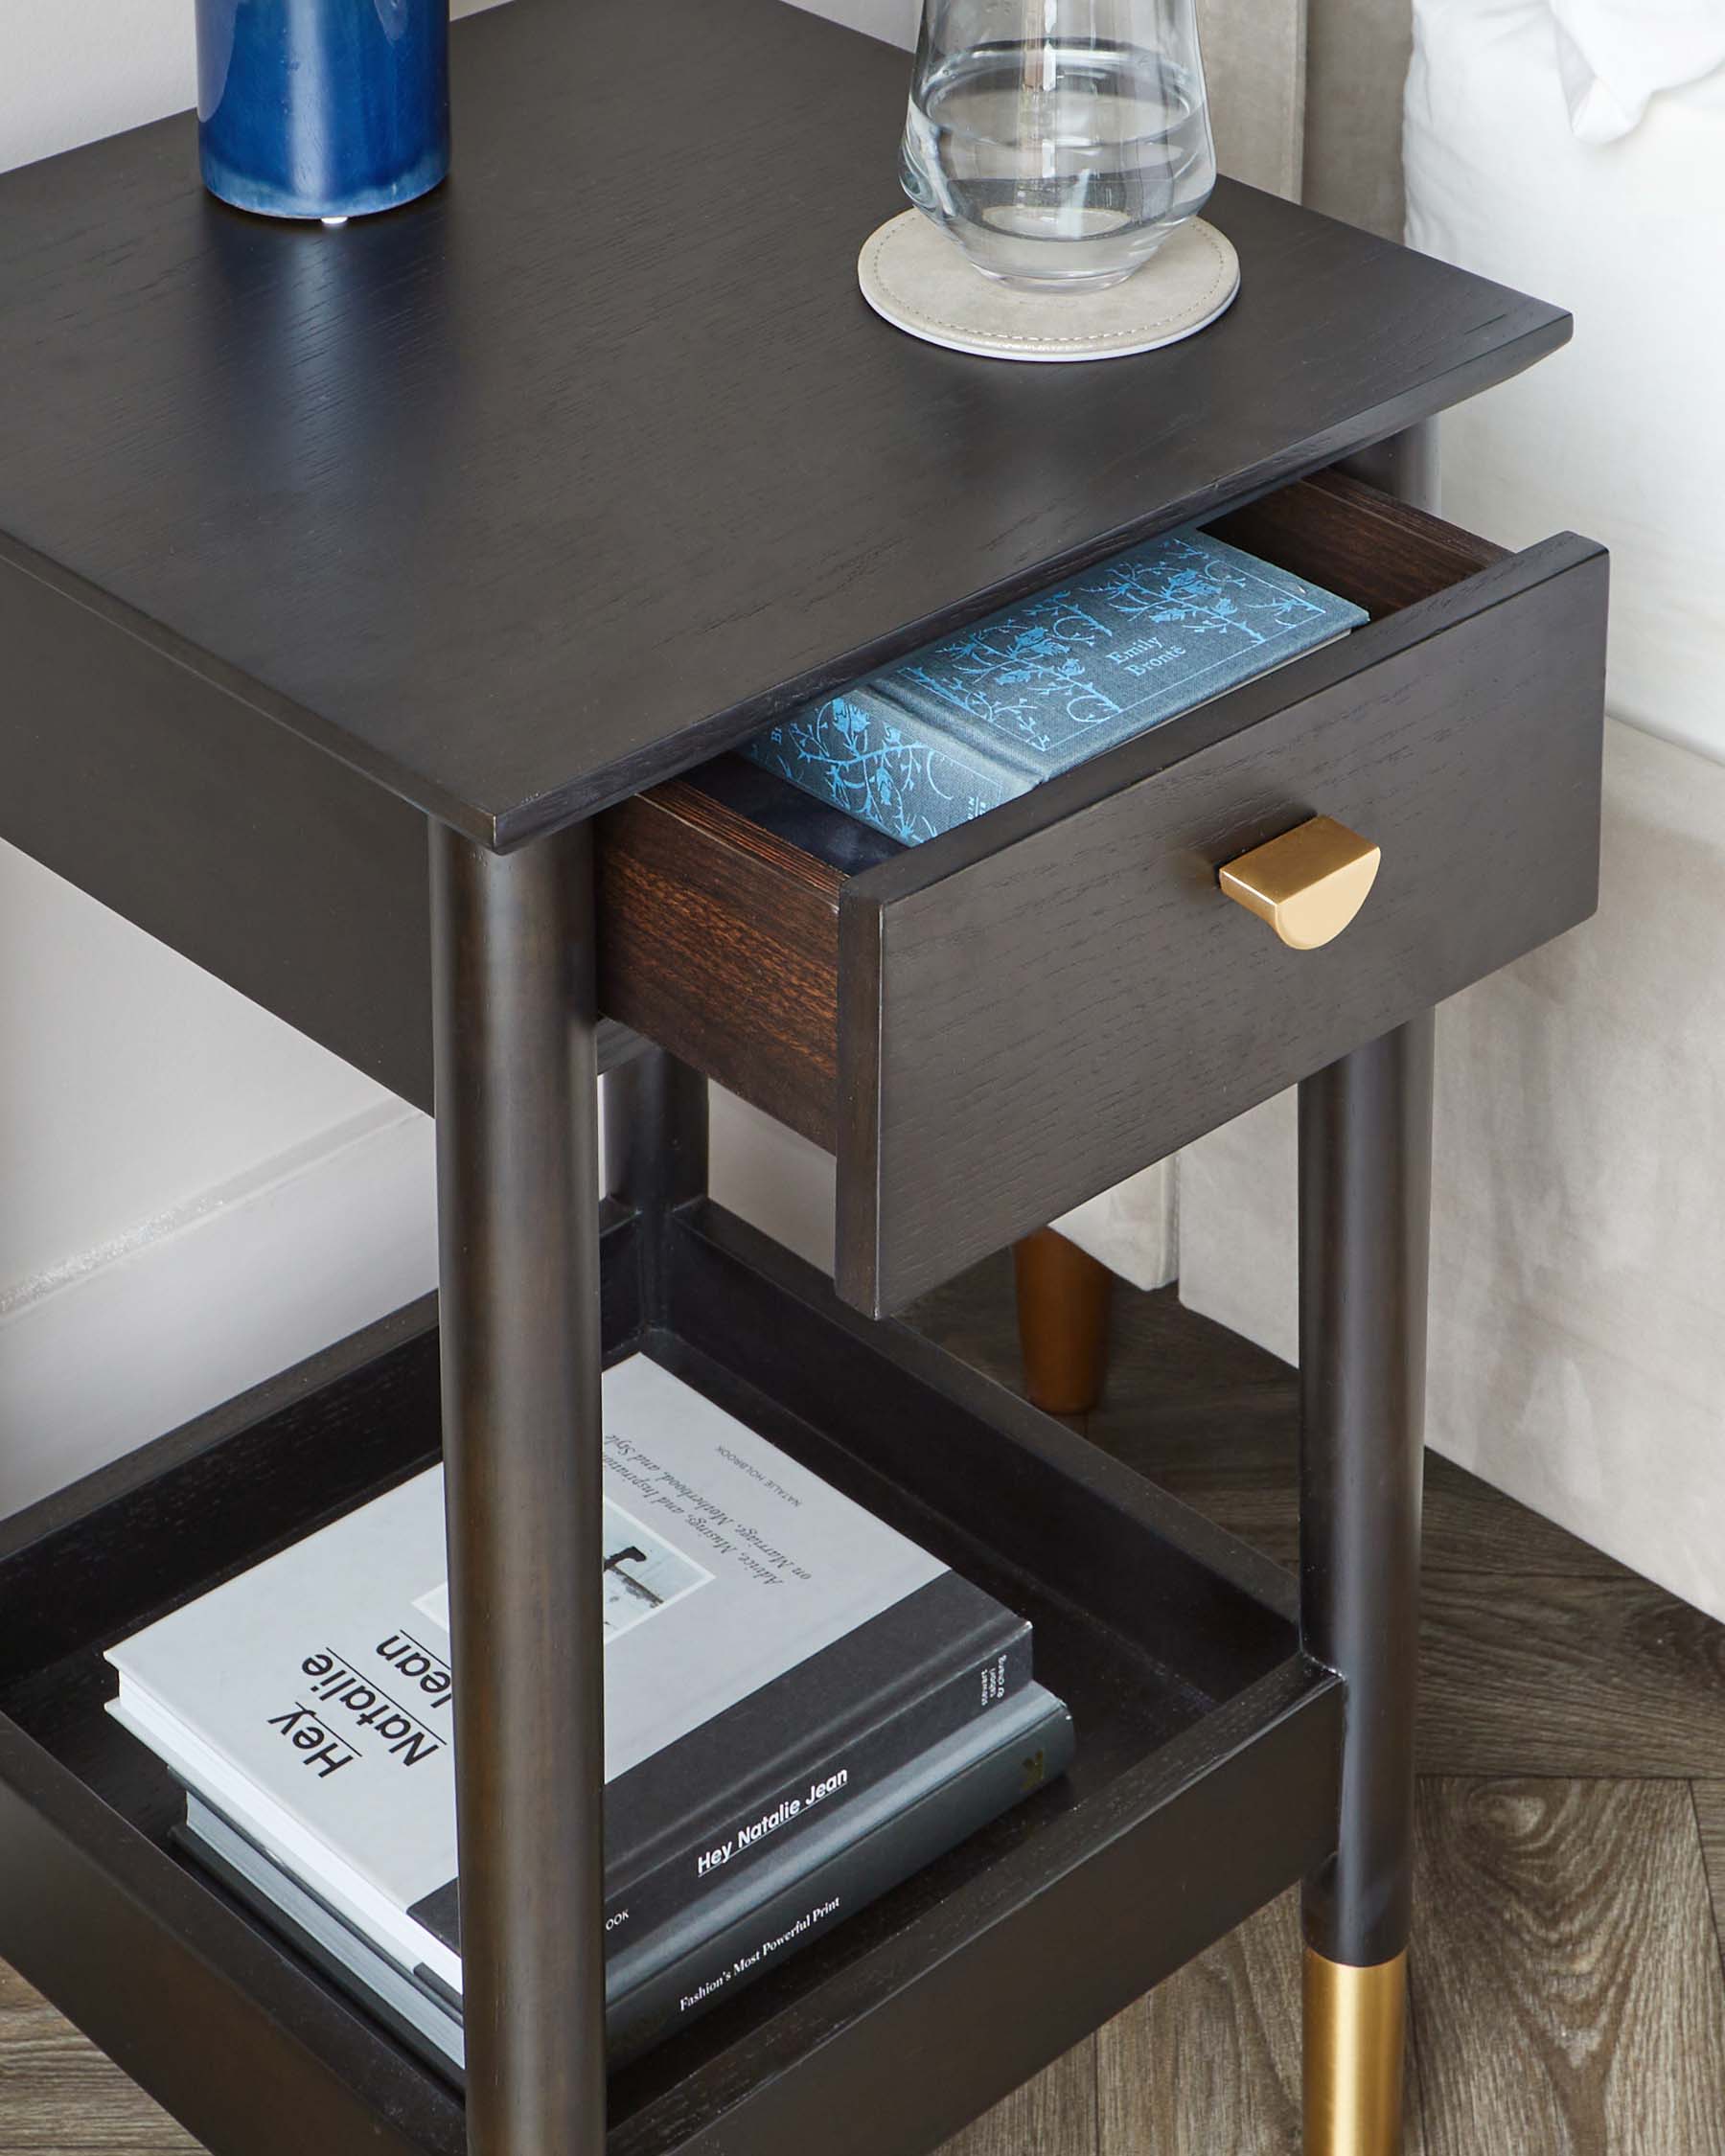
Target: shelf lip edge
x=133 y=1868
x=120 y=1861
x=764 y=2098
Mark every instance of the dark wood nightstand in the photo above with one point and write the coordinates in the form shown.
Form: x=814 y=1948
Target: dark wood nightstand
x=378 y=608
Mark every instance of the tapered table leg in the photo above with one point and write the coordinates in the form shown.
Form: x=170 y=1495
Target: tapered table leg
x=518 y=1202
x=1063 y=1297
x=656 y=1139
x=1365 y=1201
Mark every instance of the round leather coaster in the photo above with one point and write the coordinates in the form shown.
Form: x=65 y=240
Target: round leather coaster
x=915 y=276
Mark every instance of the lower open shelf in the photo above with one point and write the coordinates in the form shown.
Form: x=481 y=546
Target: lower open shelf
x=1204 y=1779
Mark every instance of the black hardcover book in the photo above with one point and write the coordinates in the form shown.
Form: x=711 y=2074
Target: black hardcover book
x=753 y=1923
x=772 y=1653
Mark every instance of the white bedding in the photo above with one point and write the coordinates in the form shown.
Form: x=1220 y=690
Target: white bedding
x=1616 y=55
x=1577 y=1312
x=1621 y=436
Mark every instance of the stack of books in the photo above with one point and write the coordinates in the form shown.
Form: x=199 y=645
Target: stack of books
x=985 y=714
x=803 y=1709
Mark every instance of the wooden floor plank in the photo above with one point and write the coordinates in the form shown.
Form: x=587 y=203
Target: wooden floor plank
x=1234 y=1459
x=1568 y=1996
x=61 y=2096
x=974 y=1317
x=1540 y=1656
x=1569 y=1678
x=1709 y=1816
x=1209 y=2061
x=1213 y=1419
x=1212 y=2057
x=1055 y=2115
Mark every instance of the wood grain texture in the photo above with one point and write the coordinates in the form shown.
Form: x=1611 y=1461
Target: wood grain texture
x=58 y=2094
x=721 y=942
x=1470 y=1530
x=1510 y=1687
x=524 y=507
x=723 y=895
x=1357 y=539
x=1568 y=1996
x=1055 y=2115
x=1561 y=2002
x=1210 y=2059
x=1035 y=1005
x=1565 y=1994
x=1539 y=1655
x=1211 y=1418
x=1710 y=1817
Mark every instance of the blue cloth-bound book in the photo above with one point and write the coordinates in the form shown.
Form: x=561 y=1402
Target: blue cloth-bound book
x=966 y=724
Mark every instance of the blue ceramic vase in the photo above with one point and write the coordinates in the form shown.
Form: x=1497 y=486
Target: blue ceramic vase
x=322 y=108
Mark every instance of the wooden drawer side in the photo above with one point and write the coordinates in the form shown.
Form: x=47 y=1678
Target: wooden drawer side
x=720 y=942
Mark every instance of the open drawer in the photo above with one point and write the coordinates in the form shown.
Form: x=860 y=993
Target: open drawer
x=992 y=1026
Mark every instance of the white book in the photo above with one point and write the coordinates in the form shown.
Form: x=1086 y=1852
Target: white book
x=771 y=1649
x=847 y=1859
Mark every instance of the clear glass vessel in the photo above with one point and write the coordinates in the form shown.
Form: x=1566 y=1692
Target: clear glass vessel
x=1058 y=142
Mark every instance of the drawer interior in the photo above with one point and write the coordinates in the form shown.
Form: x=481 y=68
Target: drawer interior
x=720 y=891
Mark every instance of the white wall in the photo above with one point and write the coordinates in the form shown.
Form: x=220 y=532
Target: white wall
x=192 y=1197
x=76 y=70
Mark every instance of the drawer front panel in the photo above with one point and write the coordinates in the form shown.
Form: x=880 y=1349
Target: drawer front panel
x=1038 y=1005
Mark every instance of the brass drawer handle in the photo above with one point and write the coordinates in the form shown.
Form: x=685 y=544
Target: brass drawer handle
x=1308 y=884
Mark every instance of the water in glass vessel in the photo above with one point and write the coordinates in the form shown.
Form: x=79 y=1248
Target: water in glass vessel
x=1063 y=159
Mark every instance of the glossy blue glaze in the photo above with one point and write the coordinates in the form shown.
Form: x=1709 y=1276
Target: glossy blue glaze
x=322 y=108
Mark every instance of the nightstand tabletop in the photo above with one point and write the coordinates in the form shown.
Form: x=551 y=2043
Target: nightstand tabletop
x=587 y=465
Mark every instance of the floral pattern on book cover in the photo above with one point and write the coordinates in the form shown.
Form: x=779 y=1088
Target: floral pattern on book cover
x=1042 y=675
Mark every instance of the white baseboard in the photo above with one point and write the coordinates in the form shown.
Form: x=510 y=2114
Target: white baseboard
x=197 y=1305
x=187 y=1309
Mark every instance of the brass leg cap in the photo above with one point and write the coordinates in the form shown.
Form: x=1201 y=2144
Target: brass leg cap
x=1355 y=2025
